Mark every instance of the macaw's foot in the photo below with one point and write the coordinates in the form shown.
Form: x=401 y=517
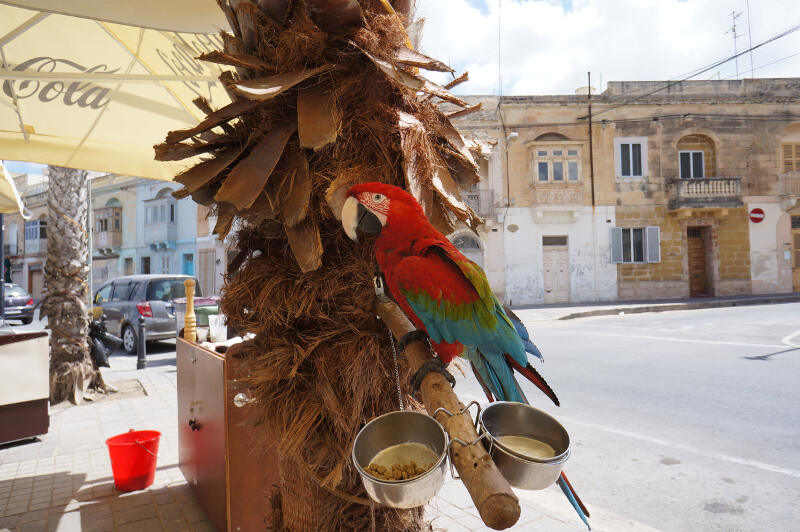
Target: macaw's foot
x=435 y=364
x=417 y=335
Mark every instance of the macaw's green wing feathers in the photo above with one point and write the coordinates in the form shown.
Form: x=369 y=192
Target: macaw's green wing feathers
x=455 y=306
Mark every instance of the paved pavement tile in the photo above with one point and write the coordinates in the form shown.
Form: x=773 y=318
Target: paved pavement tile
x=63 y=482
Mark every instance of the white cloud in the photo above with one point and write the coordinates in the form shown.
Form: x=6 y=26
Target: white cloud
x=548 y=49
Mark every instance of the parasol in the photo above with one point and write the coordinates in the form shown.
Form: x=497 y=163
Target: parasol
x=94 y=85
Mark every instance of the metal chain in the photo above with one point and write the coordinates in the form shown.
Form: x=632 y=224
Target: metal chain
x=396 y=372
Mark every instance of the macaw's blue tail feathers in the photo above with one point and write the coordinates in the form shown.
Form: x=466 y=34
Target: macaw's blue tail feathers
x=495 y=375
x=534 y=376
x=485 y=388
x=574 y=500
x=523 y=334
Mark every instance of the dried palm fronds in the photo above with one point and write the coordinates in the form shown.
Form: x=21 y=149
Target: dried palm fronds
x=326 y=93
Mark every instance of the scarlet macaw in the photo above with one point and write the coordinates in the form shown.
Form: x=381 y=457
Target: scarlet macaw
x=446 y=295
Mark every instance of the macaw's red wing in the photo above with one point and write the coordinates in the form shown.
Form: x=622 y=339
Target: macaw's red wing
x=458 y=307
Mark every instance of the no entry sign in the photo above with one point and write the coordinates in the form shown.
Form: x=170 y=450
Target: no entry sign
x=756 y=215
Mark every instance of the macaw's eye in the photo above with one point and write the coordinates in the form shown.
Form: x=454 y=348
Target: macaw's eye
x=377 y=198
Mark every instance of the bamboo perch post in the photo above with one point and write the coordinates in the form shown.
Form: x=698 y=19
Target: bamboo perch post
x=189 y=319
x=491 y=493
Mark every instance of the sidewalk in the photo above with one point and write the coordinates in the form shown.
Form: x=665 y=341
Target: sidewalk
x=63 y=482
x=585 y=310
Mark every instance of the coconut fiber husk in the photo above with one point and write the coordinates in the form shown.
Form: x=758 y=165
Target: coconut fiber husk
x=326 y=94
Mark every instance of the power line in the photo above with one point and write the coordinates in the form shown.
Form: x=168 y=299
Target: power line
x=699 y=71
x=769 y=64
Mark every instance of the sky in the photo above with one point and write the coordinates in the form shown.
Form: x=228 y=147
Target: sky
x=548 y=46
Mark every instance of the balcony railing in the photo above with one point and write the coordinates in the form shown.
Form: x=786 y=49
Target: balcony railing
x=789 y=184
x=36 y=245
x=704 y=193
x=10 y=249
x=163 y=234
x=107 y=240
x=557 y=194
x=481 y=201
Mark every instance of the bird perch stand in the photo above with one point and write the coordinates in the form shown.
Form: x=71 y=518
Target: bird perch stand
x=491 y=493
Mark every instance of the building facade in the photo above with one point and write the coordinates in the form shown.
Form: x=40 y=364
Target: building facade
x=685 y=189
x=135 y=225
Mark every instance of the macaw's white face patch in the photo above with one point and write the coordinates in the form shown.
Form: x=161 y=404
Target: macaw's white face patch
x=358 y=216
x=377 y=203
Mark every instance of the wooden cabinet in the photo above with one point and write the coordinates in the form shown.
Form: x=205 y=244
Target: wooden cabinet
x=231 y=464
x=25 y=385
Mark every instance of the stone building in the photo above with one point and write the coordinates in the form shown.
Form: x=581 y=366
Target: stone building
x=25 y=241
x=136 y=227
x=657 y=205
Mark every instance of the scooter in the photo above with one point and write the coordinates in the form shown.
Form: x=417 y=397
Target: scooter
x=103 y=342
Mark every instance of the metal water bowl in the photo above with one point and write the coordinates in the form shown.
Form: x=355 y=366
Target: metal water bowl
x=517 y=419
x=397 y=428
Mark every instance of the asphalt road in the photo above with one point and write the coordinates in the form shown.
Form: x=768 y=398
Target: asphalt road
x=685 y=420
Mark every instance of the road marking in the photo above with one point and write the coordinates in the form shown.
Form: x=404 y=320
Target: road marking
x=716 y=456
x=788 y=339
x=689 y=340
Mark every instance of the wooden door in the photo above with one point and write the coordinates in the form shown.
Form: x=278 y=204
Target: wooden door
x=556 y=274
x=36 y=282
x=696 y=243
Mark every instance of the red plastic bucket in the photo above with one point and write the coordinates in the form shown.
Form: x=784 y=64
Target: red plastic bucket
x=133 y=458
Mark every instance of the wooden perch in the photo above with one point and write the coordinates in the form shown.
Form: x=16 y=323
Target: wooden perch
x=491 y=493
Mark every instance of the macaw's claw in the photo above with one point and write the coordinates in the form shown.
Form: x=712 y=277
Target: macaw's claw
x=434 y=364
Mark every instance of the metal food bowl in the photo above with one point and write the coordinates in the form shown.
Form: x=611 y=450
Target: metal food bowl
x=517 y=419
x=396 y=428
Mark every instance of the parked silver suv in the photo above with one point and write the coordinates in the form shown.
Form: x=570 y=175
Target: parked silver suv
x=150 y=296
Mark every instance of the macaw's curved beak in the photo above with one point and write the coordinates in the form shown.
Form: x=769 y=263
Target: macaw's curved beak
x=356 y=216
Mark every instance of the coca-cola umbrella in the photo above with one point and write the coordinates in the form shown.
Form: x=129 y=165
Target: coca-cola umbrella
x=95 y=85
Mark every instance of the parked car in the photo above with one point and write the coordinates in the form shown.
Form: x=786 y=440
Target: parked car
x=19 y=304
x=150 y=296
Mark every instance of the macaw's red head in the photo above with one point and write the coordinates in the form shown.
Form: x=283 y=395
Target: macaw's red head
x=375 y=207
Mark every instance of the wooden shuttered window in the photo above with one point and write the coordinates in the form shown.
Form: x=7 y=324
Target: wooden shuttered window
x=791 y=156
x=635 y=244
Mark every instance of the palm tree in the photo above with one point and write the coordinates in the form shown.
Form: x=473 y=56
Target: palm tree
x=325 y=94
x=66 y=271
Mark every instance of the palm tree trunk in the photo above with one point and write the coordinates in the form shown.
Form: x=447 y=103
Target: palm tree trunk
x=66 y=279
x=322 y=99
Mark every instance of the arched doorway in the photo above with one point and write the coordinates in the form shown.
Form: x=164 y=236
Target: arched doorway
x=470 y=246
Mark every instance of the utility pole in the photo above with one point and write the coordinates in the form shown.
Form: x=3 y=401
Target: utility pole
x=500 y=48
x=591 y=147
x=749 y=39
x=732 y=31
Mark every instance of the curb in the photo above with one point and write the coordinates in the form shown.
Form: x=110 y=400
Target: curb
x=682 y=306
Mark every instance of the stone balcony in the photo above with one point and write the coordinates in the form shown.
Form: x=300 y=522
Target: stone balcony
x=161 y=235
x=555 y=201
x=107 y=240
x=481 y=201
x=558 y=194
x=711 y=192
